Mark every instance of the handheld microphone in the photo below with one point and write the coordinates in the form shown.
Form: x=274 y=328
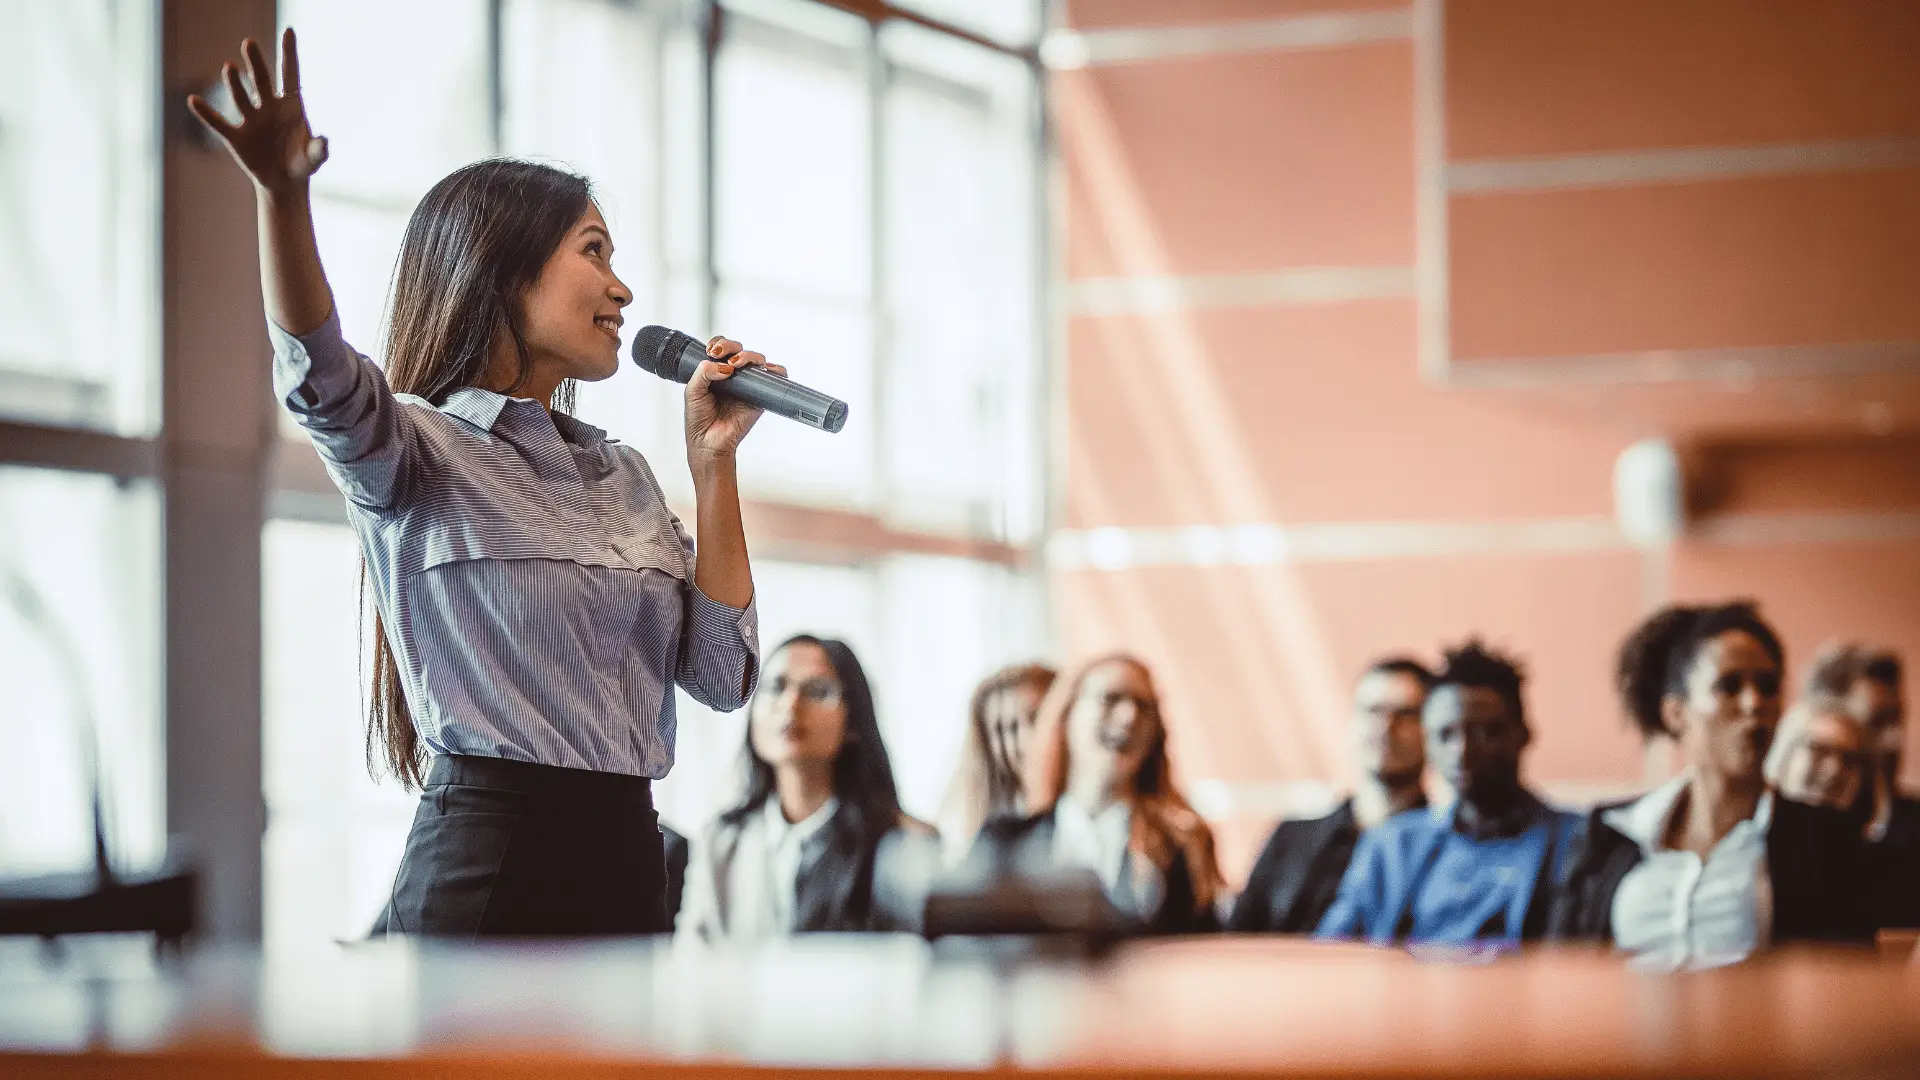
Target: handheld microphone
x=673 y=355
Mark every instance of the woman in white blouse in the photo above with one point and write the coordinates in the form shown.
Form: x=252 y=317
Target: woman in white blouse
x=1710 y=866
x=797 y=853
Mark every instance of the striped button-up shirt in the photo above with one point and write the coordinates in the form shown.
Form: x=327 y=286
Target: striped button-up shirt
x=536 y=590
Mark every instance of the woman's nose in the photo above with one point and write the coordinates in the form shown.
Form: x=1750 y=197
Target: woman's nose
x=620 y=294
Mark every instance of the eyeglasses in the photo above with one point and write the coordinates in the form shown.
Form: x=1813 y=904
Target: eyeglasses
x=818 y=690
x=1764 y=683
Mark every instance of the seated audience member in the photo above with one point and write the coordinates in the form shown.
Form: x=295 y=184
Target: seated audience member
x=1100 y=786
x=1481 y=869
x=987 y=783
x=1819 y=755
x=797 y=852
x=1298 y=872
x=1710 y=866
x=1868 y=680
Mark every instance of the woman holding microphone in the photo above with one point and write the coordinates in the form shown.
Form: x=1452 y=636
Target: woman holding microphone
x=536 y=602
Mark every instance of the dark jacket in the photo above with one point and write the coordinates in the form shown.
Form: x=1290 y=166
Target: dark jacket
x=1815 y=860
x=1894 y=867
x=1029 y=841
x=1297 y=875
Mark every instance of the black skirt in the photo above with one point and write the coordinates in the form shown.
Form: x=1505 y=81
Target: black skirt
x=505 y=848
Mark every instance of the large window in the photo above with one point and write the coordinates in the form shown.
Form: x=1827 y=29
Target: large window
x=857 y=202
x=79 y=167
x=79 y=663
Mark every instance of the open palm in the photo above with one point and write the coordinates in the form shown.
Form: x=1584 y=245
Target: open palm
x=272 y=141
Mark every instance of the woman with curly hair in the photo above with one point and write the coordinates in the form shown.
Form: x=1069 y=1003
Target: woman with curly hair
x=1711 y=866
x=1100 y=792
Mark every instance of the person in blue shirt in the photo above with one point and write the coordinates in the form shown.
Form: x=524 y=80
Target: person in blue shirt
x=1481 y=868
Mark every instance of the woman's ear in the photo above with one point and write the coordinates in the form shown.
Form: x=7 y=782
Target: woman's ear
x=1673 y=715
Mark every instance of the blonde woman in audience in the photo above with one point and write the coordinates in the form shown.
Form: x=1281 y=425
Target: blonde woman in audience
x=1819 y=756
x=987 y=784
x=1711 y=866
x=1868 y=679
x=1100 y=789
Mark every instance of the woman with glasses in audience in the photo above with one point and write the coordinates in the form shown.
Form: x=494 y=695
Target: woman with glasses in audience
x=1100 y=791
x=987 y=784
x=797 y=853
x=1710 y=866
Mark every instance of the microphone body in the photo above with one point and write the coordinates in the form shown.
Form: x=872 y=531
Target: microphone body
x=673 y=355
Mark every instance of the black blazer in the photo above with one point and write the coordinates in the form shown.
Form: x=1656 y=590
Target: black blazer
x=1895 y=867
x=1029 y=840
x=676 y=849
x=1297 y=875
x=1815 y=860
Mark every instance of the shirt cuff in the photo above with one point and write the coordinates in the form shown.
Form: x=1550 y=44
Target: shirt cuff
x=723 y=624
x=315 y=367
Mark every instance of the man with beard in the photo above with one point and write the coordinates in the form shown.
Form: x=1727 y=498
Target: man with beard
x=1299 y=870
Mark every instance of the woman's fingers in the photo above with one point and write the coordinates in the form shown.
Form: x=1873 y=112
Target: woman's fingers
x=748 y=359
x=210 y=116
x=722 y=347
x=289 y=64
x=778 y=369
x=243 y=102
x=258 y=69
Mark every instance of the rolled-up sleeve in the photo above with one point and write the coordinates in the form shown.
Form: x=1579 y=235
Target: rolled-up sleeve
x=342 y=400
x=720 y=655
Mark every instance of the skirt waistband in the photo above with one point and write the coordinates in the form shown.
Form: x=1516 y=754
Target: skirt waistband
x=466 y=770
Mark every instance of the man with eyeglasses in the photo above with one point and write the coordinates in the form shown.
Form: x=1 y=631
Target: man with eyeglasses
x=1298 y=872
x=1866 y=679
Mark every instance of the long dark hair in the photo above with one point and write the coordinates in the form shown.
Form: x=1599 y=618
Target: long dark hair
x=862 y=773
x=473 y=246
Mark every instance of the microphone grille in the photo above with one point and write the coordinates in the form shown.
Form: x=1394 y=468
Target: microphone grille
x=657 y=349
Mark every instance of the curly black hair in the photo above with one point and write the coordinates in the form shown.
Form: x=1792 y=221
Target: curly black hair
x=1655 y=658
x=1473 y=664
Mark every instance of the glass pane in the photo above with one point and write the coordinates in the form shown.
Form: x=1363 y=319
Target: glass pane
x=398 y=87
x=962 y=438
x=79 y=200
x=1015 y=22
x=825 y=346
x=334 y=837
x=79 y=648
x=792 y=147
x=989 y=617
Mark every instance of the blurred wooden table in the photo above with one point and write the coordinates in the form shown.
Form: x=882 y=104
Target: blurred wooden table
x=1211 y=1008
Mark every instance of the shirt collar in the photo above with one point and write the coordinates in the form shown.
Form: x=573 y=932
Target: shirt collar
x=1524 y=814
x=782 y=831
x=1645 y=820
x=482 y=409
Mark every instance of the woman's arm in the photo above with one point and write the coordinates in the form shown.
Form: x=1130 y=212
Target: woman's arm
x=339 y=396
x=279 y=153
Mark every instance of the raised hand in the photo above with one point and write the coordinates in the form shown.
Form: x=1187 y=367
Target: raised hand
x=272 y=141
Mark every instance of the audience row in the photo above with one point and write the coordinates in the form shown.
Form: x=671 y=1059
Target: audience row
x=1778 y=829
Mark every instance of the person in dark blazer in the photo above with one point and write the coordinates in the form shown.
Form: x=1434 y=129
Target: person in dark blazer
x=679 y=853
x=1868 y=679
x=1481 y=869
x=1711 y=866
x=1100 y=782
x=1298 y=873
x=797 y=853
